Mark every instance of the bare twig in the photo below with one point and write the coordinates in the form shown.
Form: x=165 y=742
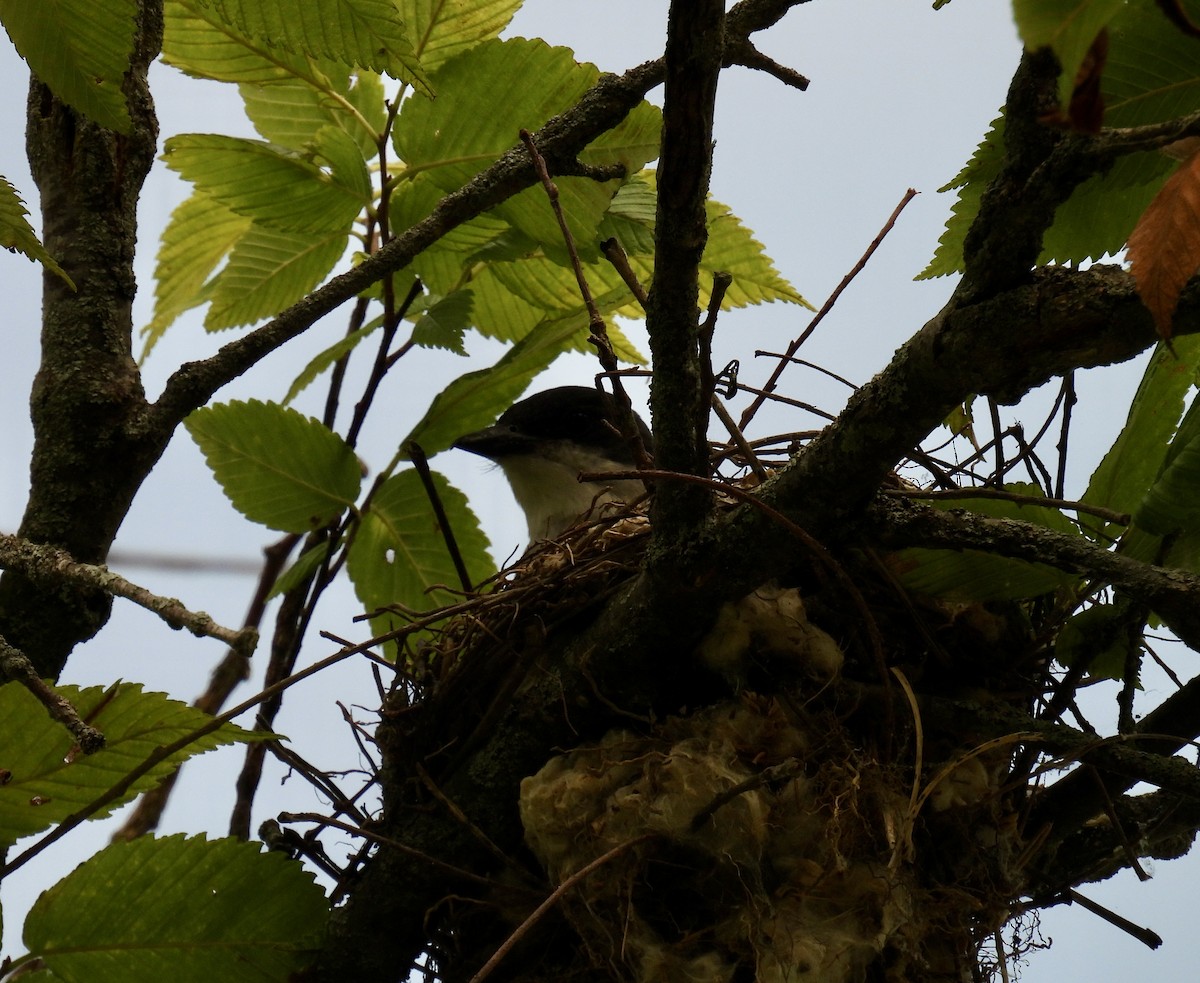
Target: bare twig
x=421 y=464
x=1148 y=937
x=539 y=912
x=162 y=753
x=15 y=666
x=738 y=438
x=620 y=262
x=316 y=817
x=1108 y=515
x=794 y=346
x=47 y=564
x=748 y=56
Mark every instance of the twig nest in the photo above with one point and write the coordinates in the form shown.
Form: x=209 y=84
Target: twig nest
x=770 y=622
x=760 y=853
x=967 y=784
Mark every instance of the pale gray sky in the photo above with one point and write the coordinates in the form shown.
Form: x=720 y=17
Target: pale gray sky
x=900 y=95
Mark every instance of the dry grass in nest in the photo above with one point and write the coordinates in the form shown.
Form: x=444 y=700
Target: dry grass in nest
x=763 y=831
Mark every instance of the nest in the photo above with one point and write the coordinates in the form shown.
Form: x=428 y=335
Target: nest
x=766 y=834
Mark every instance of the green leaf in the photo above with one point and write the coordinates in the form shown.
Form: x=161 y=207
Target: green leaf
x=733 y=249
x=198 y=236
x=1067 y=27
x=290 y=113
x=399 y=551
x=443 y=324
x=1136 y=457
x=970 y=183
x=365 y=33
x=1151 y=75
x=341 y=152
x=973 y=575
x=305 y=566
x=50 y=779
x=1100 y=635
x=80 y=48
x=475 y=399
x=267 y=271
x=183 y=909
x=17 y=235
x=326 y=358
x=442 y=30
x=1172 y=502
x=1098 y=217
x=278 y=467
x=196 y=40
x=484 y=100
x=272 y=185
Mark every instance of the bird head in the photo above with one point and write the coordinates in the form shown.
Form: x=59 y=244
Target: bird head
x=543 y=443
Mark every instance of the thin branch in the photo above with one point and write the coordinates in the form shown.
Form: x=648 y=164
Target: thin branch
x=679 y=404
x=556 y=895
x=15 y=666
x=1172 y=594
x=421 y=465
x=794 y=346
x=49 y=565
x=386 y=841
x=745 y=54
x=1148 y=937
x=597 y=329
x=1108 y=515
x=162 y=753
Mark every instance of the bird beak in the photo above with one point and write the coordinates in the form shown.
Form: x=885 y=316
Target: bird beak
x=495 y=442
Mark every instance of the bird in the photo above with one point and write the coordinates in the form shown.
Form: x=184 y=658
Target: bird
x=544 y=442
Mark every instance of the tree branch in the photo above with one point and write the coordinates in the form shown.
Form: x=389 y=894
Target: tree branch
x=1173 y=594
x=678 y=406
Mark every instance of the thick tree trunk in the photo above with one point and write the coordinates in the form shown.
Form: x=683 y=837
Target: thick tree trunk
x=90 y=454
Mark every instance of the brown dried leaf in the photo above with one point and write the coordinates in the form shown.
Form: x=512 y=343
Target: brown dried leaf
x=1164 y=247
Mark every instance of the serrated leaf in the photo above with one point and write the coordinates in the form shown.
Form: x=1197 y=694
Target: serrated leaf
x=278 y=467
x=1100 y=634
x=305 y=566
x=202 y=44
x=970 y=182
x=475 y=399
x=49 y=782
x=267 y=271
x=273 y=186
x=179 y=908
x=326 y=358
x=1136 y=457
x=200 y=233
x=366 y=33
x=17 y=235
x=290 y=113
x=1172 y=503
x=1068 y=28
x=442 y=30
x=1164 y=247
x=443 y=324
x=80 y=49
x=1151 y=75
x=732 y=249
x=483 y=101
x=337 y=148
x=399 y=551
x=973 y=575
x=1098 y=217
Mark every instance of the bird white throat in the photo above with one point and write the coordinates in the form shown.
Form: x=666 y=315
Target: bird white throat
x=548 y=489
x=544 y=442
